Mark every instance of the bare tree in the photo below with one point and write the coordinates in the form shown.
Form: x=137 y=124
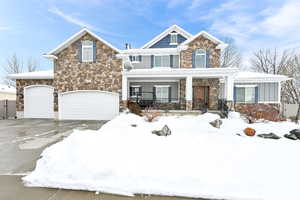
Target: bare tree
x=270 y=61
x=15 y=65
x=32 y=65
x=230 y=56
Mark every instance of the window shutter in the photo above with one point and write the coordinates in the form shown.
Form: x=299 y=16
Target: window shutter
x=94 y=51
x=207 y=58
x=234 y=94
x=152 y=61
x=154 y=93
x=79 y=52
x=256 y=94
x=130 y=91
x=170 y=95
x=130 y=58
x=140 y=58
x=140 y=91
x=171 y=61
x=193 y=59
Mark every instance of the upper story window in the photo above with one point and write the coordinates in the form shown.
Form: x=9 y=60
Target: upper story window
x=135 y=59
x=173 y=39
x=87 y=51
x=199 y=58
x=157 y=61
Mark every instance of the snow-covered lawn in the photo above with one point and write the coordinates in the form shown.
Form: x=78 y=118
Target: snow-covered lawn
x=197 y=160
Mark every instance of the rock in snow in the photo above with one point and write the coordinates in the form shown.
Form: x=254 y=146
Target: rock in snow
x=269 y=136
x=165 y=131
x=216 y=123
x=296 y=132
x=291 y=136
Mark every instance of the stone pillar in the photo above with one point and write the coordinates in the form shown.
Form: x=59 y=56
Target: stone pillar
x=189 y=93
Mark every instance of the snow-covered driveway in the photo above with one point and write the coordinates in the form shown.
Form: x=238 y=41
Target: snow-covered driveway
x=197 y=160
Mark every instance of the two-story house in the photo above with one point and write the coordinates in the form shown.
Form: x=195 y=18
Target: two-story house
x=92 y=79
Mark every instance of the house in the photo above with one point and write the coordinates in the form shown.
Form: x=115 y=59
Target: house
x=92 y=79
x=7 y=92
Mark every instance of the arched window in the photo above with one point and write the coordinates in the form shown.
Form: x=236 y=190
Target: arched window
x=199 y=58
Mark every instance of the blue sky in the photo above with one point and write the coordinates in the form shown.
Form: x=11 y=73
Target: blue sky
x=32 y=27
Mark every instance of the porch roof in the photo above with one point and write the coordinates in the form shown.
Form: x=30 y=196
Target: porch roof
x=181 y=72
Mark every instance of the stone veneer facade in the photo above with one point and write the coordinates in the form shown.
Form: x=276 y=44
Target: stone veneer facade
x=104 y=74
x=203 y=43
x=264 y=109
x=20 y=84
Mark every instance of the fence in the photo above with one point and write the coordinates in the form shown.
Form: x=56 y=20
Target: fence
x=290 y=110
x=7 y=109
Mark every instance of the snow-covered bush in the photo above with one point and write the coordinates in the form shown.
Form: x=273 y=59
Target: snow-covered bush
x=151 y=114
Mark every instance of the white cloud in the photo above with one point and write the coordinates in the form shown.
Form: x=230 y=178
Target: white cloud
x=4 y=28
x=71 y=19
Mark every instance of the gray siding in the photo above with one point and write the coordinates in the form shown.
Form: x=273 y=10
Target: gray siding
x=147 y=88
x=165 y=42
x=146 y=62
x=267 y=92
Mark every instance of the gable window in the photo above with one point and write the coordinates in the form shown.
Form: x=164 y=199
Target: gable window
x=87 y=51
x=245 y=94
x=162 y=93
x=173 y=39
x=200 y=58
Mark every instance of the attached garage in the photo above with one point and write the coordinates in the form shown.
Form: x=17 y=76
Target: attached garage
x=88 y=105
x=38 y=101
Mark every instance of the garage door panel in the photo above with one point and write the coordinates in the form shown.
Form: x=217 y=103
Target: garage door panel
x=88 y=105
x=38 y=102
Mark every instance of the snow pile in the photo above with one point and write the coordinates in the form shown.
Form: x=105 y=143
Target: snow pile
x=197 y=160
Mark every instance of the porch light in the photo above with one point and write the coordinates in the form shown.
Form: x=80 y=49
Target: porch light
x=55 y=94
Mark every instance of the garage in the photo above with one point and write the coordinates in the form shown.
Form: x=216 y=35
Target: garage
x=38 y=101
x=88 y=105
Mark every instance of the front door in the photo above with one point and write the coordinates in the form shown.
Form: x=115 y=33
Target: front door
x=200 y=97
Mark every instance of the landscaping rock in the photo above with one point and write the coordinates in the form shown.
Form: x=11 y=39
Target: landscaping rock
x=216 y=123
x=269 y=136
x=249 y=131
x=133 y=125
x=291 y=136
x=296 y=132
x=165 y=131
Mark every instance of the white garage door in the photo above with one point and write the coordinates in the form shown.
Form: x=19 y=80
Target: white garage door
x=38 y=101
x=88 y=105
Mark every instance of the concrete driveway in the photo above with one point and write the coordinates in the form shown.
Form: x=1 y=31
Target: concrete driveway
x=21 y=143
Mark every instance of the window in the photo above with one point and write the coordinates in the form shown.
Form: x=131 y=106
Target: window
x=135 y=59
x=245 y=94
x=200 y=58
x=135 y=91
x=173 y=38
x=157 y=61
x=87 y=51
x=162 y=93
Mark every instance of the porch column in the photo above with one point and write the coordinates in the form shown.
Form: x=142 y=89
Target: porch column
x=189 y=93
x=229 y=90
x=124 y=90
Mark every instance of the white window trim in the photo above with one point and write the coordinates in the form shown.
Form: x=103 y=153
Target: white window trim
x=174 y=43
x=84 y=46
x=244 y=86
x=201 y=54
x=136 y=59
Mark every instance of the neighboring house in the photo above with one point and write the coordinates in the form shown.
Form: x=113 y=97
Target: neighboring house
x=7 y=92
x=175 y=70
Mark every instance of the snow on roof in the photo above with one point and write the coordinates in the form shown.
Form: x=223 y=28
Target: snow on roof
x=33 y=75
x=256 y=76
x=7 y=89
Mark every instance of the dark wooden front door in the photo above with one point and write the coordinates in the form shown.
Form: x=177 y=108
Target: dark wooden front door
x=200 y=97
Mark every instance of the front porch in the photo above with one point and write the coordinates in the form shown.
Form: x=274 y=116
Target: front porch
x=198 y=92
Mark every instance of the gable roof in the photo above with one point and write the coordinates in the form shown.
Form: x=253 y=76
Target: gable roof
x=75 y=37
x=221 y=44
x=165 y=33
